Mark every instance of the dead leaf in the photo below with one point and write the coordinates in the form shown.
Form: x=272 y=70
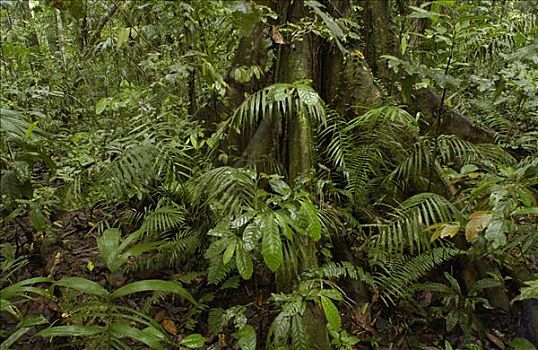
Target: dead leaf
x=362 y=317
x=159 y=316
x=478 y=221
x=277 y=37
x=169 y=326
x=495 y=340
x=53 y=306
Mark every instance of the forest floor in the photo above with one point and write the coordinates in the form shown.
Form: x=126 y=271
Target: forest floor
x=73 y=252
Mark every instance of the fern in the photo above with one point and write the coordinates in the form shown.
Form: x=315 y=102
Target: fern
x=396 y=280
x=217 y=269
x=406 y=227
x=342 y=269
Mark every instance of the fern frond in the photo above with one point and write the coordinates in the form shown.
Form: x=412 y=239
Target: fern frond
x=396 y=281
x=342 y=269
x=406 y=227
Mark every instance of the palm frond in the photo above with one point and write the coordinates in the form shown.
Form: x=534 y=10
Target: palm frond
x=230 y=188
x=385 y=115
x=273 y=102
x=175 y=253
x=16 y=128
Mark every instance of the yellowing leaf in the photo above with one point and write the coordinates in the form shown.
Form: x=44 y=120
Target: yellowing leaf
x=446 y=230
x=478 y=221
x=90 y=265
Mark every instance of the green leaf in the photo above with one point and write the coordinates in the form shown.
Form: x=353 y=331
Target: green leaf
x=32 y=320
x=229 y=252
x=193 y=341
x=521 y=344
x=331 y=313
x=445 y=230
x=38 y=219
x=279 y=186
x=243 y=219
x=124 y=330
x=468 y=168
x=243 y=261
x=246 y=338
x=530 y=291
x=83 y=285
x=271 y=244
x=452 y=319
x=71 y=331
x=307 y=95
x=525 y=211
x=22 y=286
x=12 y=339
x=495 y=233
x=251 y=235
x=140 y=248
x=314 y=225
x=526 y=197
x=153 y=285
x=102 y=104
x=328 y=20
x=299 y=335
x=108 y=245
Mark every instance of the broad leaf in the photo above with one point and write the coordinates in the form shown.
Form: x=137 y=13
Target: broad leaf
x=331 y=313
x=124 y=330
x=71 y=331
x=496 y=233
x=229 y=252
x=83 y=285
x=193 y=341
x=243 y=261
x=314 y=225
x=478 y=221
x=153 y=285
x=108 y=245
x=271 y=244
x=246 y=338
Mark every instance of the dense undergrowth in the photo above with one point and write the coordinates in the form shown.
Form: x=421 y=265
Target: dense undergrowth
x=134 y=215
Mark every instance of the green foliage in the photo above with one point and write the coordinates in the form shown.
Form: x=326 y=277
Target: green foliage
x=459 y=307
x=101 y=307
x=397 y=277
x=530 y=291
x=139 y=119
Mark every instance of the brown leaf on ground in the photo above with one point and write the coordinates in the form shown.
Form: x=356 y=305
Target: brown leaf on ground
x=169 y=326
x=495 y=340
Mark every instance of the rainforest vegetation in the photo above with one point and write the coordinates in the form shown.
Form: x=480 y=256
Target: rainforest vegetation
x=269 y=174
